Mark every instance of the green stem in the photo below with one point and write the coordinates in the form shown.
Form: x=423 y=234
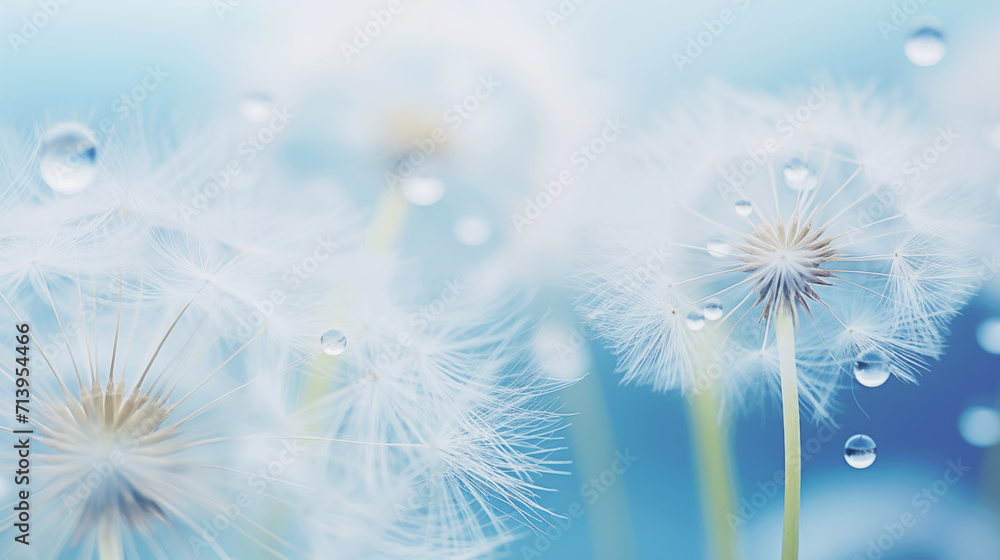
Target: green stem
x=785 y=333
x=595 y=449
x=109 y=541
x=715 y=478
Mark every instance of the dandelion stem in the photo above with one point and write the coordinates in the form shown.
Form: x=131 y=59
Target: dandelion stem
x=390 y=216
x=785 y=333
x=109 y=541
x=714 y=465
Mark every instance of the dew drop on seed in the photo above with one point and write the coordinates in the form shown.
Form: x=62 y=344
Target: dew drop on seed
x=859 y=451
x=256 y=107
x=695 y=320
x=712 y=310
x=798 y=176
x=925 y=47
x=334 y=342
x=473 y=230
x=871 y=368
x=68 y=159
x=423 y=191
x=718 y=249
x=980 y=426
x=743 y=207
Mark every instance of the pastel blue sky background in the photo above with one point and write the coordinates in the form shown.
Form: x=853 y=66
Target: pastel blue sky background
x=608 y=58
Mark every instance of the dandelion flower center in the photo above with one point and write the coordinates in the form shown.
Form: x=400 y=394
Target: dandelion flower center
x=785 y=262
x=111 y=443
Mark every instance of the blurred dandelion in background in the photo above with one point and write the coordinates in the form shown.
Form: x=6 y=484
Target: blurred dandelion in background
x=155 y=335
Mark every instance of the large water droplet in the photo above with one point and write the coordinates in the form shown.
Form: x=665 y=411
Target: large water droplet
x=68 y=161
x=695 y=320
x=988 y=335
x=925 y=47
x=859 y=451
x=980 y=426
x=423 y=191
x=718 y=249
x=744 y=208
x=473 y=230
x=334 y=342
x=256 y=107
x=798 y=176
x=871 y=368
x=712 y=310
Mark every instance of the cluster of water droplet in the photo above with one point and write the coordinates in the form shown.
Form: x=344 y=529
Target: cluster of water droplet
x=711 y=310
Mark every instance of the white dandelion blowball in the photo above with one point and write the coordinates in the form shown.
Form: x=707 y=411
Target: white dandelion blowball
x=738 y=206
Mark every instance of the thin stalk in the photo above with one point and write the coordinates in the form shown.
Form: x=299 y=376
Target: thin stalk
x=109 y=541
x=785 y=333
x=595 y=449
x=711 y=446
x=387 y=223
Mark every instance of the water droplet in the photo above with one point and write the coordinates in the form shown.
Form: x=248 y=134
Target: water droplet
x=68 y=161
x=925 y=47
x=256 y=107
x=718 y=249
x=798 y=176
x=473 y=230
x=695 y=320
x=980 y=426
x=712 y=310
x=988 y=335
x=871 y=368
x=859 y=451
x=334 y=342
x=743 y=207
x=423 y=191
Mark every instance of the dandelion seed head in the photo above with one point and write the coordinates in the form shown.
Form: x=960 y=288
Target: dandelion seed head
x=784 y=263
x=721 y=206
